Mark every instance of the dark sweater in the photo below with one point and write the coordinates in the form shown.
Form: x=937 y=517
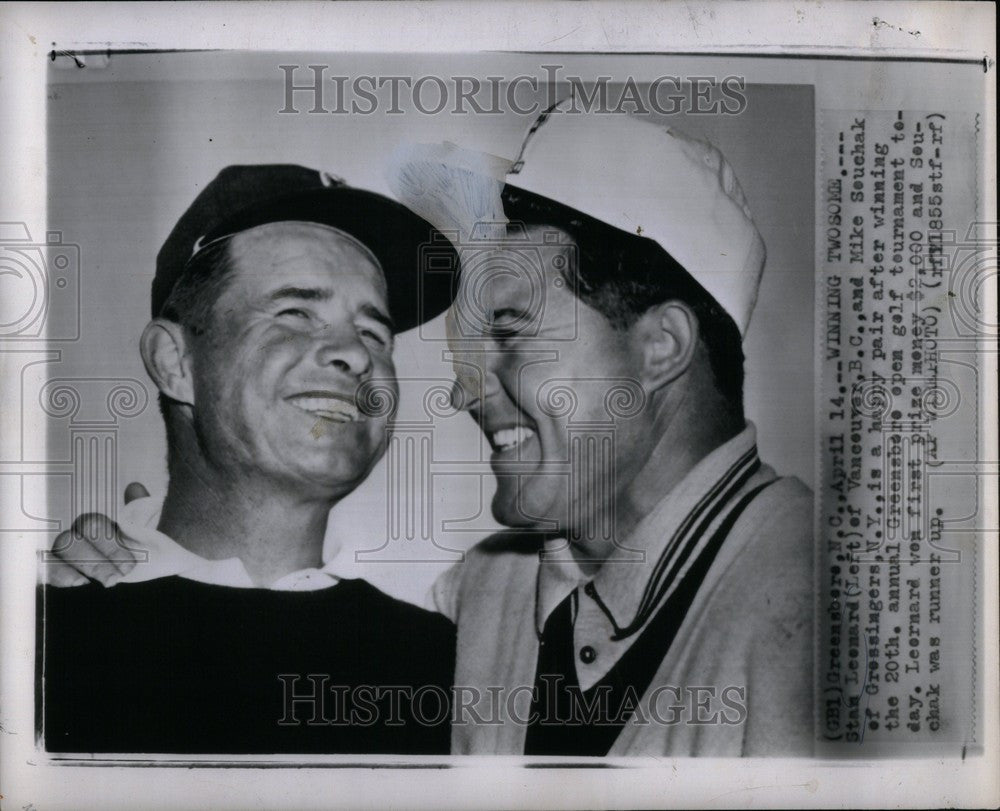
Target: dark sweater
x=176 y=666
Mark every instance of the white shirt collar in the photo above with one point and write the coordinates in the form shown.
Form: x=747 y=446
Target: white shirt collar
x=166 y=558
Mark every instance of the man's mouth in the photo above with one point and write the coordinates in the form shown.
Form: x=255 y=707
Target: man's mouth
x=327 y=405
x=506 y=439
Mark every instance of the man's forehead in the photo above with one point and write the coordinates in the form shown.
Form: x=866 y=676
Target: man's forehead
x=526 y=279
x=526 y=256
x=278 y=240
x=524 y=236
x=319 y=262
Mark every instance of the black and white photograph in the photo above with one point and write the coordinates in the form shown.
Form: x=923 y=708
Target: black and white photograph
x=400 y=418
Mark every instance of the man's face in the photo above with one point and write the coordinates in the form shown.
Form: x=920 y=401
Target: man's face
x=548 y=379
x=301 y=323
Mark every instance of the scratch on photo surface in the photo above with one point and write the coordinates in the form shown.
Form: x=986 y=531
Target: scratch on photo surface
x=878 y=22
x=568 y=33
x=811 y=786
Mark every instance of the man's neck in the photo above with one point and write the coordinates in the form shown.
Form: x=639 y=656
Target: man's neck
x=272 y=531
x=682 y=442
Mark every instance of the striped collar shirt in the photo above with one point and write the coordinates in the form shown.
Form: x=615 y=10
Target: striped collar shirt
x=614 y=605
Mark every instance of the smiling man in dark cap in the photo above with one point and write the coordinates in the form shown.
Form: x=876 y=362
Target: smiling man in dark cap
x=274 y=305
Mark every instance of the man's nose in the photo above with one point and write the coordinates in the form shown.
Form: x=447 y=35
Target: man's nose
x=459 y=398
x=473 y=384
x=343 y=350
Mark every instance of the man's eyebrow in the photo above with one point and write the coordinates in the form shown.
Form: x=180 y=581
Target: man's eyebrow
x=374 y=312
x=325 y=294
x=302 y=293
x=510 y=314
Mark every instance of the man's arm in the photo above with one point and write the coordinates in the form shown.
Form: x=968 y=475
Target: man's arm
x=92 y=549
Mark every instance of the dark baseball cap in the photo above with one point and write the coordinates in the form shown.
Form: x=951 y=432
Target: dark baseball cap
x=243 y=197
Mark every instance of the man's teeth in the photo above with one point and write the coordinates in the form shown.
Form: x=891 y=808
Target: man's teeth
x=329 y=408
x=507 y=438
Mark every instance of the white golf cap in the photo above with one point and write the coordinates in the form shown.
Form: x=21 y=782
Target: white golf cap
x=651 y=180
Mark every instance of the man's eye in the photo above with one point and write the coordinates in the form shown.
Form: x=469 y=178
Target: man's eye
x=293 y=312
x=374 y=336
x=500 y=332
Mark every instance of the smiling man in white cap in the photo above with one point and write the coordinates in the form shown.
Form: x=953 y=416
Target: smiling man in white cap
x=654 y=595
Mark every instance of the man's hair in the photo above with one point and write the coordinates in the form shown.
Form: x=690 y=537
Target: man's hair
x=622 y=275
x=192 y=299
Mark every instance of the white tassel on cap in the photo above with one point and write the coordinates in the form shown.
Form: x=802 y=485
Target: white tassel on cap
x=456 y=190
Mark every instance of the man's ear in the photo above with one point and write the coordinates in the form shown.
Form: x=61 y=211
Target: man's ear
x=668 y=337
x=165 y=353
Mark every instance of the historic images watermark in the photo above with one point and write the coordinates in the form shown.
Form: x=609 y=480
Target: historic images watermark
x=311 y=699
x=42 y=280
x=309 y=89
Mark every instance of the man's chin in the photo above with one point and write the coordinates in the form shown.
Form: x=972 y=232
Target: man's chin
x=336 y=465
x=513 y=509
x=326 y=482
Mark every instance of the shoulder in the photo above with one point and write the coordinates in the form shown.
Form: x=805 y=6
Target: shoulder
x=508 y=544
x=493 y=564
x=764 y=603
x=778 y=527
x=396 y=641
x=769 y=572
x=787 y=498
x=377 y=604
x=77 y=602
x=370 y=605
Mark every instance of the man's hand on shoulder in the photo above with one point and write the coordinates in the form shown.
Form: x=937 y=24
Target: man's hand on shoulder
x=94 y=548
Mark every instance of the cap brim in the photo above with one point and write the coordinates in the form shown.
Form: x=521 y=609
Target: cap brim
x=420 y=264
